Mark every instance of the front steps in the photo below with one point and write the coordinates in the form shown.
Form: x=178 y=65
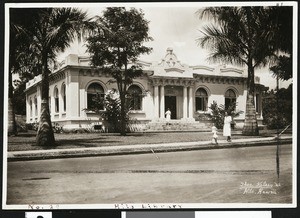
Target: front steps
x=178 y=125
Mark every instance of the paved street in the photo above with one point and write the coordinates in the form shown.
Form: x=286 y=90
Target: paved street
x=235 y=175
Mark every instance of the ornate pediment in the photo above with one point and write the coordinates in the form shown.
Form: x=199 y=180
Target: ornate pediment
x=171 y=61
x=170 y=66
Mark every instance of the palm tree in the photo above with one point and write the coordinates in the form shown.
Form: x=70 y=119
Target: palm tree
x=20 y=55
x=50 y=33
x=283 y=24
x=241 y=36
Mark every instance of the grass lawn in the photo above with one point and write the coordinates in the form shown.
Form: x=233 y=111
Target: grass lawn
x=26 y=141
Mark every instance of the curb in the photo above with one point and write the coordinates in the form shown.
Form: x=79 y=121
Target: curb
x=110 y=151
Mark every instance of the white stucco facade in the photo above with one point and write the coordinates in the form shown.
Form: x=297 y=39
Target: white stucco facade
x=187 y=90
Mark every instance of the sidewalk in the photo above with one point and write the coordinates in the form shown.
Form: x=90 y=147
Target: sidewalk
x=141 y=148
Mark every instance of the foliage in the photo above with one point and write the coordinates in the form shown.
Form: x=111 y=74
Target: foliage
x=218 y=113
x=49 y=31
x=57 y=128
x=112 y=110
x=115 y=45
x=242 y=36
x=19 y=57
x=283 y=68
x=112 y=113
x=277 y=113
x=283 y=24
x=21 y=123
x=19 y=97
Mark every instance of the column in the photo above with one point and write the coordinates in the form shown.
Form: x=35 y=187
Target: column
x=52 y=107
x=67 y=94
x=156 y=102
x=191 y=106
x=27 y=109
x=73 y=97
x=184 y=102
x=162 y=102
x=39 y=101
x=61 y=101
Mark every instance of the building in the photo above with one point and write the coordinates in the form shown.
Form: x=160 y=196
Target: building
x=186 y=90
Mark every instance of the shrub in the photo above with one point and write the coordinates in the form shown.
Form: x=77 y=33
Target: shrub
x=21 y=123
x=57 y=128
x=111 y=114
x=278 y=108
x=32 y=126
x=217 y=113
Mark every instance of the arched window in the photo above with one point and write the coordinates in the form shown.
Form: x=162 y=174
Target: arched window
x=230 y=98
x=63 y=94
x=135 y=97
x=35 y=106
x=95 y=96
x=201 y=99
x=56 y=100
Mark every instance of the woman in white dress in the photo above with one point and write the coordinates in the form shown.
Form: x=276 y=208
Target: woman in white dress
x=227 y=127
x=168 y=115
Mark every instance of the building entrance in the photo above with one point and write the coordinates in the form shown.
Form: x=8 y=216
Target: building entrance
x=170 y=102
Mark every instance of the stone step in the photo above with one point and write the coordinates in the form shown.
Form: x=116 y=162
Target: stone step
x=177 y=125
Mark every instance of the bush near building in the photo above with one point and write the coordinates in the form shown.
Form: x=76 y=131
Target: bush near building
x=218 y=113
x=277 y=108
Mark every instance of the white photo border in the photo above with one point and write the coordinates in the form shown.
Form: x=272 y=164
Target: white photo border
x=167 y=205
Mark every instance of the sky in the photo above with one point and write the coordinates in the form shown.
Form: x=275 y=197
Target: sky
x=177 y=27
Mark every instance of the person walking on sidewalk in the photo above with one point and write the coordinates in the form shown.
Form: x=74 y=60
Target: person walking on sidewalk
x=227 y=127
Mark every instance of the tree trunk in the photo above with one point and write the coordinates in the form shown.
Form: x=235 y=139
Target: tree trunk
x=250 y=124
x=123 y=115
x=45 y=135
x=12 y=127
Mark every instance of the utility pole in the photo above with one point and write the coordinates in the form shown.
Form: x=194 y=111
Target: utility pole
x=278 y=142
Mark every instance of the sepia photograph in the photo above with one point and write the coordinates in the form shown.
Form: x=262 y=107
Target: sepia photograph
x=150 y=105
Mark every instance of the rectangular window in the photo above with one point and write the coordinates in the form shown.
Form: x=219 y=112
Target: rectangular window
x=56 y=105
x=30 y=109
x=136 y=103
x=65 y=103
x=201 y=104
x=36 y=109
x=90 y=101
x=49 y=102
x=228 y=102
x=95 y=101
x=257 y=103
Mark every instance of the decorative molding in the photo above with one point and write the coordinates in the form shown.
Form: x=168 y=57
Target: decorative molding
x=160 y=81
x=170 y=60
x=172 y=69
x=226 y=70
x=220 y=79
x=200 y=67
x=53 y=78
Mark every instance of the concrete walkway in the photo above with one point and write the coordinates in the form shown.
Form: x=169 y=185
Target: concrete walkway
x=142 y=148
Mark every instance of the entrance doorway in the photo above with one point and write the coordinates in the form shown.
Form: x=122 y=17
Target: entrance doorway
x=170 y=102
